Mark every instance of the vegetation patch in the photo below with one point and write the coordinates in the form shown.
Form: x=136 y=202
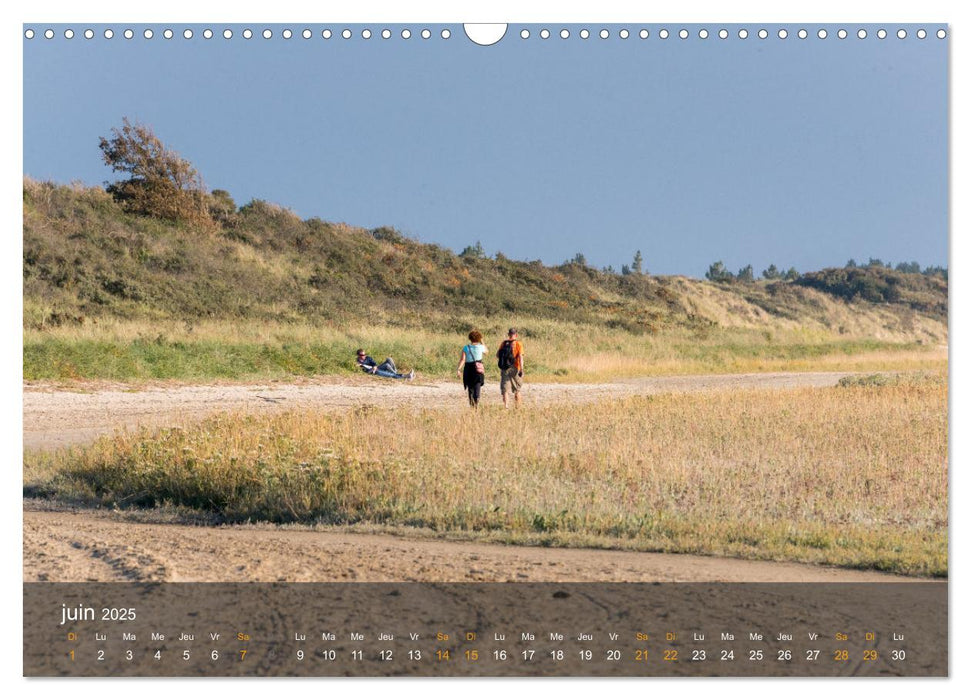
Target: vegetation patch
x=846 y=476
x=902 y=379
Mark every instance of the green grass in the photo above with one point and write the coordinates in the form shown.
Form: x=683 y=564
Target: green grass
x=161 y=359
x=556 y=351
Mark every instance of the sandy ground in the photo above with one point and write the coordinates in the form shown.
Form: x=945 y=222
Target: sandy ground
x=55 y=417
x=90 y=545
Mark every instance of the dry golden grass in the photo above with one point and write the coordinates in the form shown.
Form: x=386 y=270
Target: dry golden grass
x=851 y=475
x=603 y=367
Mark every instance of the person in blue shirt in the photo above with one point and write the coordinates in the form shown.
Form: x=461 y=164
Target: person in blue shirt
x=471 y=369
x=385 y=369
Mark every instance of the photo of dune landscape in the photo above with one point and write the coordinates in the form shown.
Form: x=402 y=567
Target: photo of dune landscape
x=193 y=409
x=606 y=312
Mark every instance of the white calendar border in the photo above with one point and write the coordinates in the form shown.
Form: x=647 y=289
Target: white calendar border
x=606 y=11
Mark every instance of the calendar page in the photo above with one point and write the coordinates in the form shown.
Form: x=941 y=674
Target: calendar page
x=544 y=349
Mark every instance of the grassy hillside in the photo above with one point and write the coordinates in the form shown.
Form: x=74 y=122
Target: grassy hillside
x=84 y=257
x=113 y=294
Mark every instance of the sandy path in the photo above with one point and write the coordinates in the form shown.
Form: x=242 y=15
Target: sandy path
x=63 y=546
x=57 y=418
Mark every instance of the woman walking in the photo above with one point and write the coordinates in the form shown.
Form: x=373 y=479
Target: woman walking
x=473 y=376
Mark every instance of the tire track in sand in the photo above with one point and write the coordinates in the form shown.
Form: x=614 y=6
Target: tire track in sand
x=266 y=553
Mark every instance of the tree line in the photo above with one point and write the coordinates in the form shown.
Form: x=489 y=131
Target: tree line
x=717 y=272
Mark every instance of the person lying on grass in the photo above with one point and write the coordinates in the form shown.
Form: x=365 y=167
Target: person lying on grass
x=385 y=369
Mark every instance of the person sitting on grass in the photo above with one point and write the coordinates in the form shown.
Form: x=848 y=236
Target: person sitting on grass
x=385 y=369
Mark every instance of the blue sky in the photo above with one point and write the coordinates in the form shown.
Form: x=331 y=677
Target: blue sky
x=797 y=152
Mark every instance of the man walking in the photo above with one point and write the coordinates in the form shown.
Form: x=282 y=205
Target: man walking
x=511 y=363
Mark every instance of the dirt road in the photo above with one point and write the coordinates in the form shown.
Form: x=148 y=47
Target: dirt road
x=61 y=546
x=58 y=418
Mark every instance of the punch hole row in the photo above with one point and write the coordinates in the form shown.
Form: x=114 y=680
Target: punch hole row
x=245 y=34
x=446 y=34
x=725 y=33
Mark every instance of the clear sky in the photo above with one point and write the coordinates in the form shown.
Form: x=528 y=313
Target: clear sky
x=799 y=152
